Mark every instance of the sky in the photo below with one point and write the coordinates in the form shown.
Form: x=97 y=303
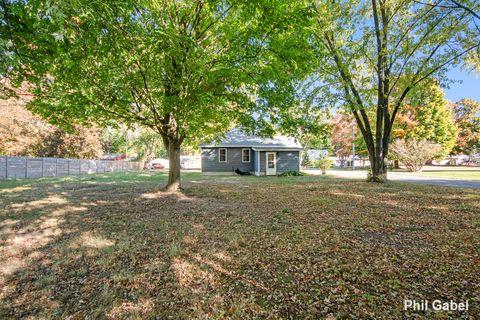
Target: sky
x=468 y=88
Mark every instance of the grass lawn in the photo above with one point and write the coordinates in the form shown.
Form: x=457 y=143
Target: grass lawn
x=461 y=173
x=113 y=246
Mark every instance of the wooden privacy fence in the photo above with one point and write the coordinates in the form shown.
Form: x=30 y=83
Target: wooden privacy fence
x=25 y=167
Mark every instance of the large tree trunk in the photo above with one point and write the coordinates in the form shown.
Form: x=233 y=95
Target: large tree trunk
x=173 y=183
x=396 y=164
x=378 y=170
x=377 y=155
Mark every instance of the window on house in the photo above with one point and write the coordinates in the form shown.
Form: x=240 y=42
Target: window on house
x=222 y=155
x=245 y=155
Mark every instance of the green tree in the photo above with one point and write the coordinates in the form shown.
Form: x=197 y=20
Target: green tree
x=468 y=122
x=427 y=116
x=115 y=139
x=372 y=54
x=188 y=70
x=148 y=146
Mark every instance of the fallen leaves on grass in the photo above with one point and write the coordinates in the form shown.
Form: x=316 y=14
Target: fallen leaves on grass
x=293 y=247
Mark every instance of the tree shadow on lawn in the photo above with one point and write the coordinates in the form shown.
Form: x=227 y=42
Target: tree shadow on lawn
x=308 y=248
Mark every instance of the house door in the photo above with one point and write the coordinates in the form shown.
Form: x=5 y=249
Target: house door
x=271 y=164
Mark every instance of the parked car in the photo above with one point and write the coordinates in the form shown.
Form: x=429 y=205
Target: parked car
x=156 y=166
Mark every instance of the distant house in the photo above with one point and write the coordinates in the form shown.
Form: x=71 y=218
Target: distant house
x=253 y=154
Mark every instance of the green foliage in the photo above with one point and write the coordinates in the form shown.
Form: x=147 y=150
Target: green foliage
x=427 y=116
x=373 y=54
x=324 y=163
x=114 y=140
x=189 y=70
x=293 y=173
x=468 y=122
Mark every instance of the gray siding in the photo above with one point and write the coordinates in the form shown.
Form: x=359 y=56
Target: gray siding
x=286 y=161
x=234 y=159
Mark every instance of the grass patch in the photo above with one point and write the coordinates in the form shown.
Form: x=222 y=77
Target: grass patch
x=115 y=246
x=460 y=173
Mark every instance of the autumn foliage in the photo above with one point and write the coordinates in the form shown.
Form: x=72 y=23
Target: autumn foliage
x=25 y=134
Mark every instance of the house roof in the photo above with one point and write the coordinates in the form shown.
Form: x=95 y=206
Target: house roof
x=239 y=139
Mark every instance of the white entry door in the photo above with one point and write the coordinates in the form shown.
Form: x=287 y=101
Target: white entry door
x=271 y=163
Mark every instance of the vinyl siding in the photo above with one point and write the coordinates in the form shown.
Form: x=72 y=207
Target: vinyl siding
x=286 y=161
x=234 y=159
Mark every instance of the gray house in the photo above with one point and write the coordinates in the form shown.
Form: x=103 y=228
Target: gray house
x=248 y=153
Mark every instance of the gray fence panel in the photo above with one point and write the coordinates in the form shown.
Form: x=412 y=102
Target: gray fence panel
x=23 y=167
x=62 y=167
x=3 y=167
x=16 y=167
x=108 y=166
x=34 y=167
x=84 y=166
x=74 y=166
x=92 y=166
x=49 y=167
x=100 y=166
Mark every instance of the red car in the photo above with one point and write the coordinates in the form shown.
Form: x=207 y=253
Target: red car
x=121 y=157
x=157 y=166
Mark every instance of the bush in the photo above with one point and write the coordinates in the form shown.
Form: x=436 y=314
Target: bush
x=414 y=153
x=292 y=173
x=324 y=164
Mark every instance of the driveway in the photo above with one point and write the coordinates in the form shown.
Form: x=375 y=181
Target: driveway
x=396 y=176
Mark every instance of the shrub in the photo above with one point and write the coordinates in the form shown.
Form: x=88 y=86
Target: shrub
x=292 y=173
x=324 y=164
x=414 y=153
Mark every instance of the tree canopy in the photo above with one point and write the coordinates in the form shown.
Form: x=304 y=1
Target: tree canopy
x=188 y=70
x=427 y=116
x=468 y=121
x=372 y=54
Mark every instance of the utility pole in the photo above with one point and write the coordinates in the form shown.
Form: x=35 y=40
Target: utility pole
x=353 y=145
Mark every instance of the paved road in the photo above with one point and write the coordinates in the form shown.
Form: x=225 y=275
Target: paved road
x=395 y=176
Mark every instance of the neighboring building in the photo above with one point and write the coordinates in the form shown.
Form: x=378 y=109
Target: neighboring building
x=314 y=154
x=248 y=153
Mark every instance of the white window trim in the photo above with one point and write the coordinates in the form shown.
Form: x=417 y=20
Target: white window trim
x=249 y=155
x=226 y=155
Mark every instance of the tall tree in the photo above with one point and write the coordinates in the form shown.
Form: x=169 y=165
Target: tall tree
x=468 y=122
x=189 y=70
x=342 y=138
x=427 y=116
x=376 y=52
